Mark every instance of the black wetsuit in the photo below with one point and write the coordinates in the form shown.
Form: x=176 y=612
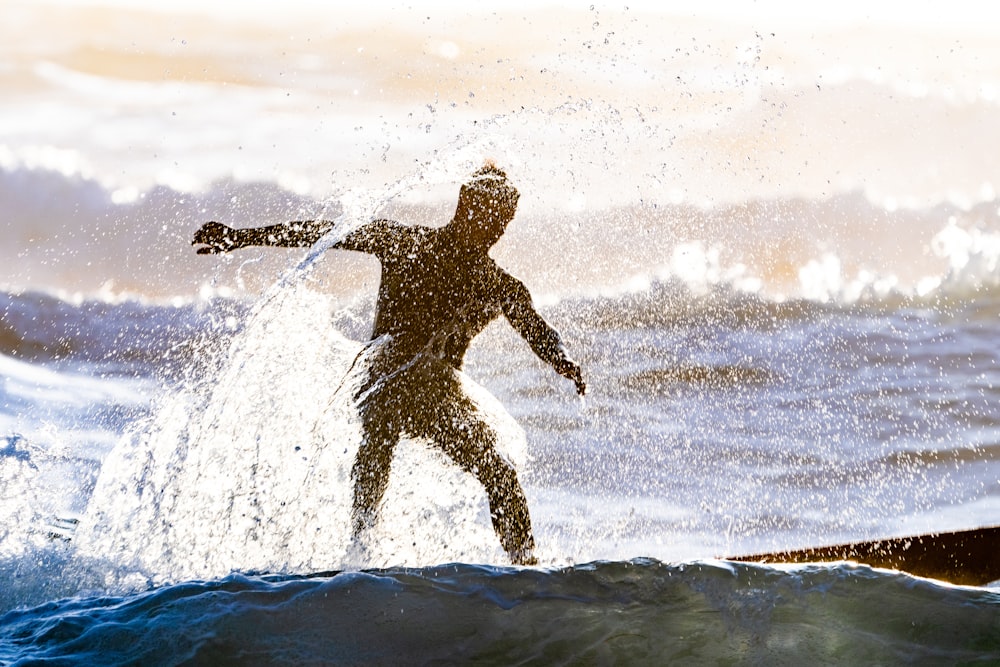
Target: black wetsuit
x=435 y=296
x=439 y=289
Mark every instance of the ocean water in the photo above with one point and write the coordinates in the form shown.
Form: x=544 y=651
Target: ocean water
x=771 y=239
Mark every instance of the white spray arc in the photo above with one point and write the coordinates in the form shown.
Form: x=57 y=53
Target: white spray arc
x=249 y=469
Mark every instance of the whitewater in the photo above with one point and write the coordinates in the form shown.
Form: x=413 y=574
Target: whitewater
x=775 y=257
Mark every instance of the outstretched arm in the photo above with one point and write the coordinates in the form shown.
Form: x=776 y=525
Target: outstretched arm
x=543 y=339
x=374 y=237
x=216 y=237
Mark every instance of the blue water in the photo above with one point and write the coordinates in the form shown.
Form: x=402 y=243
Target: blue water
x=717 y=424
x=628 y=612
x=777 y=260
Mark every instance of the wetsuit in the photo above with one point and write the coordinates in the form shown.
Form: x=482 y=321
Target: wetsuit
x=437 y=292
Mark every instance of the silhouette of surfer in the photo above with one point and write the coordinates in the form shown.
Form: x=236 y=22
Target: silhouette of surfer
x=439 y=289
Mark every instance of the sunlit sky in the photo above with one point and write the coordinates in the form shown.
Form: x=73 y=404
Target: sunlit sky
x=966 y=14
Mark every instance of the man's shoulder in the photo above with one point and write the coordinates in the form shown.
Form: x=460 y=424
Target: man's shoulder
x=509 y=286
x=502 y=273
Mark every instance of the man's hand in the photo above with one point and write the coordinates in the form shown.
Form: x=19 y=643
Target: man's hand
x=216 y=238
x=571 y=370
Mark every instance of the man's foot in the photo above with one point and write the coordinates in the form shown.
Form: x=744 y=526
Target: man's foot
x=362 y=521
x=523 y=557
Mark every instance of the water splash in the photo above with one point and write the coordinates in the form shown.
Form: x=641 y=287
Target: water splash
x=248 y=468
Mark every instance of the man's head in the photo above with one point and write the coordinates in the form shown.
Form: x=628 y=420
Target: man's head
x=486 y=204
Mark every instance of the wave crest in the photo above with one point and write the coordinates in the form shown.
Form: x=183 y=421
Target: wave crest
x=634 y=612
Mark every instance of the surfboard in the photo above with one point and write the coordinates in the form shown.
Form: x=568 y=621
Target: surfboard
x=966 y=557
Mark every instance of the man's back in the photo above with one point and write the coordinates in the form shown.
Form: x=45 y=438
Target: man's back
x=436 y=293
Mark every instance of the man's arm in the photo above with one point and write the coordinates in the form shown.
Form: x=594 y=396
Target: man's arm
x=543 y=339
x=216 y=237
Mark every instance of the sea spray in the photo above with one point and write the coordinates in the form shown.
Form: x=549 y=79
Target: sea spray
x=819 y=365
x=248 y=468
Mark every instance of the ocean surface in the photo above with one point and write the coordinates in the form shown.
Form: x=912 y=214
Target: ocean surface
x=771 y=239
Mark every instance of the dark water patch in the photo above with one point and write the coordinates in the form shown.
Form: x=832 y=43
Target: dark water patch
x=15 y=449
x=663 y=381
x=634 y=612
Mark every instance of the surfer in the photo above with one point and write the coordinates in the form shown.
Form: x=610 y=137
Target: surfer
x=439 y=289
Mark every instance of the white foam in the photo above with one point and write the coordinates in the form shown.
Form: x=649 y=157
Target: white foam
x=251 y=469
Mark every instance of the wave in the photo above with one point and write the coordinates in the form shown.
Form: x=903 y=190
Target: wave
x=128 y=336
x=74 y=235
x=70 y=233
x=634 y=612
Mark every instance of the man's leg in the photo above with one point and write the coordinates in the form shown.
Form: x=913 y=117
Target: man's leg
x=464 y=436
x=371 y=471
x=508 y=506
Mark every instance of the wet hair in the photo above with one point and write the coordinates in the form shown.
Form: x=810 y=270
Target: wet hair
x=490 y=183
